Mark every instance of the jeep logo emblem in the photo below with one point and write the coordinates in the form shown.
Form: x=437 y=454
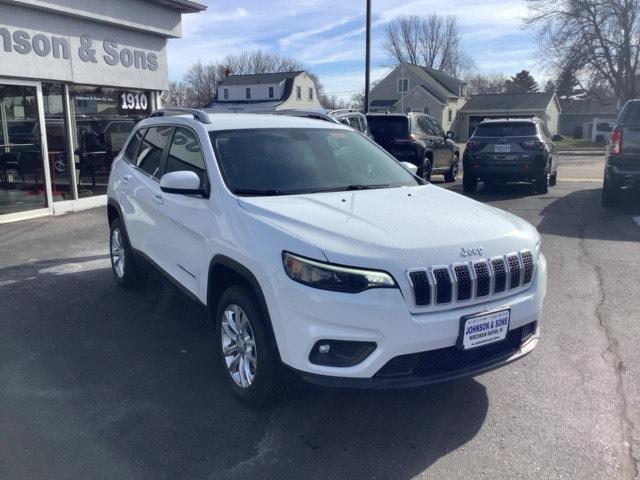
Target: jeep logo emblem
x=470 y=252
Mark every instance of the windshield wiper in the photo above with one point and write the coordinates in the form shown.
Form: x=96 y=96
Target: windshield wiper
x=355 y=186
x=257 y=191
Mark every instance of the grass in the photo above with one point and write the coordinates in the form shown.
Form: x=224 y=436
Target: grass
x=568 y=144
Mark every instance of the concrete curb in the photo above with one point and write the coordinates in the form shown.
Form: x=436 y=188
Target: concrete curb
x=583 y=153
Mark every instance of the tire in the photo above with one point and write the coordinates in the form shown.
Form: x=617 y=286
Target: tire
x=426 y=169
x=542 y=184
x=553 y=179
x=257 y=380
x=452 y=175
x=126 y=271
x=610 y=195
x=469 y=183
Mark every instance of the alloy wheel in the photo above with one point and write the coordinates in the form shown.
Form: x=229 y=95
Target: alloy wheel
x=238 y=346
x=117 y=252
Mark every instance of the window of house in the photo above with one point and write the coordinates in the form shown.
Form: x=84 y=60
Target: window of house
x=449 y=115
x=425 y=110
x=299 y=93
x=271 y=92
x=403 y=85
x=310 y=93
x=226 y=93
x=248 y=93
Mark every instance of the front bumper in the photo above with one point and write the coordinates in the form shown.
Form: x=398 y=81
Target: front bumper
x=301 y=316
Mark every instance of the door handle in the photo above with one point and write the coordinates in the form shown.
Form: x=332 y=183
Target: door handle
x=158 y=199
x=126 y=178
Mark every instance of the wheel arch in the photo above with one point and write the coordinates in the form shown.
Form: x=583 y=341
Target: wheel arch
x=113 y=211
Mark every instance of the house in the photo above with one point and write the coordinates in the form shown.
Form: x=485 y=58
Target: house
x=580 y=115
x=545 y=106
x=266 y=92
x=412 y=88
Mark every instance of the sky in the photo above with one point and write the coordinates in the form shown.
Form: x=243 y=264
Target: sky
x=328 y=36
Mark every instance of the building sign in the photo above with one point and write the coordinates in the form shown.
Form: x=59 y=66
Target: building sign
x=133 y=102
x=89 y=51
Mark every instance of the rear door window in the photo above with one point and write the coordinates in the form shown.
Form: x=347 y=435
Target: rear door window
x=185 y=155
x=131 y=153
x=385 y=127
x=507 y=129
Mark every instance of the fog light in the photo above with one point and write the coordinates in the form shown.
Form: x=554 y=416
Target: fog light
x=340 y=353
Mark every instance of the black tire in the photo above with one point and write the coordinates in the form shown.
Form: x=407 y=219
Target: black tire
x=469 y=183
x=553 y=179
x=426 y=169
x=542 y=184
x=452 y=175
x=610 y=195
x=266 y=385
x=130 y=274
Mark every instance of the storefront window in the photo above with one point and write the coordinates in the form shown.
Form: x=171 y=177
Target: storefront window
x=103 y=119
x=22 y=179
x=53 y=100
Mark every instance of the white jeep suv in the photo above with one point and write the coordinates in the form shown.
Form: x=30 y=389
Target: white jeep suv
x=316 y=253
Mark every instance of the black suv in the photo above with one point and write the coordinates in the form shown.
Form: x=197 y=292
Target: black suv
x=510 y=150
x=419 y=139
x=622 y=167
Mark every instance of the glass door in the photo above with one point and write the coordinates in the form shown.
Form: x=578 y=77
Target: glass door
x=24 y=180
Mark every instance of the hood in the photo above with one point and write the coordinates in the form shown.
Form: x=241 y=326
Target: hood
x=382 y=228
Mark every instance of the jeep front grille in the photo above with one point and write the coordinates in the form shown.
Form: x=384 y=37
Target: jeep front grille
x=477 y=280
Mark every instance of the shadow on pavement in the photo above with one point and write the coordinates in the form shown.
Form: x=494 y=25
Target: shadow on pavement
x=99 y=382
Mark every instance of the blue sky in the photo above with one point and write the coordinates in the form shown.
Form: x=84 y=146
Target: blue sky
x=328 y=35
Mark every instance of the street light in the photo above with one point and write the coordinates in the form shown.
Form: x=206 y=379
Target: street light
x=367 y=59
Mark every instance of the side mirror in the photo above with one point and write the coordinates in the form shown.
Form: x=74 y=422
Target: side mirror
x=411 y=167
x=451 y=135
x=183 y=182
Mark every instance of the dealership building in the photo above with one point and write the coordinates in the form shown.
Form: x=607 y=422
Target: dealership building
x=75 y=77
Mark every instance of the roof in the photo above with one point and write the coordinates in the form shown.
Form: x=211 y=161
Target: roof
x=383 y=103
x=588 y=106
x=259 y=78
x=240 y=121
x=502 y=102
x=183 y=6
x=450 y=83
x=247 y=106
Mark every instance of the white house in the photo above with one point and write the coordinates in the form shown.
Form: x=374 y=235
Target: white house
x=266 y=92
x=412 y=88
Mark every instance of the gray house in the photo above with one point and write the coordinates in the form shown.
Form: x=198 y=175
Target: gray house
x=412 y=88
x=545 y=106
x=579 y=115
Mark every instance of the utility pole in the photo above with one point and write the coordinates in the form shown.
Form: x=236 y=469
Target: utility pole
x=367 y=59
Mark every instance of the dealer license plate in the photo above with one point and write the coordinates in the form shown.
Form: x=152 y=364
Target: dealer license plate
x=483 y=329
x=502 y=148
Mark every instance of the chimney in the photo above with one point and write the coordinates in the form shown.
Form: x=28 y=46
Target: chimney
x=228 y=72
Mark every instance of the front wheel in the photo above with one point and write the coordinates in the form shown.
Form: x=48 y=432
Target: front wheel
x=452 y=175
x=124 y=267
x=247 y=352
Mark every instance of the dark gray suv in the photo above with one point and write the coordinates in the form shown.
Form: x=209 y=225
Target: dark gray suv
x=510 y=150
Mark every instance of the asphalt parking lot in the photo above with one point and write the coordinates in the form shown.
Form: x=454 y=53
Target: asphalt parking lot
x=97 y=382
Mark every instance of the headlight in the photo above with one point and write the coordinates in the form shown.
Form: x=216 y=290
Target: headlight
x=334 y=277
x=538 y=249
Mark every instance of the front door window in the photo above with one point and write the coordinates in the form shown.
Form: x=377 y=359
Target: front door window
x=22 y=176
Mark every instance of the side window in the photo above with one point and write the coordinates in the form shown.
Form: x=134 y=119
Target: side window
x=435 y=128
x=424 y=126
x=185 y=154
x=151 y=150
x=131 y=152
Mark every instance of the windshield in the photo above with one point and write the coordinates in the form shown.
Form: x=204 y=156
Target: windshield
x=388 y=126
x=507 y=129
x=292 y=160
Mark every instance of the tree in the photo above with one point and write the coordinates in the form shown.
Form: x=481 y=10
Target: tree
x=434 y=42
x=566 y=82
x=597 y=38
x=177 y=95
x=521 y=82
x=550 y=86
x=481 y=83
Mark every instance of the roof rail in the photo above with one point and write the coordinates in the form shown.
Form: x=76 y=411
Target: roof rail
x=345 y=110
x=197 y=114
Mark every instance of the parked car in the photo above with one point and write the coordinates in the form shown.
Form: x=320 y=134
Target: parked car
x=510 y=150
x=353 y=118
x=622 y=166
x=419 y=139
x=316 y=254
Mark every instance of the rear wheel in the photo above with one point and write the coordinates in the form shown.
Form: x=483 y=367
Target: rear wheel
x=425 y=171
x=247 y=352
x=469 y=183
x=542 y=183
x=553 y=179
x=124 y=267
x=452 y=174
x=610 y=195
